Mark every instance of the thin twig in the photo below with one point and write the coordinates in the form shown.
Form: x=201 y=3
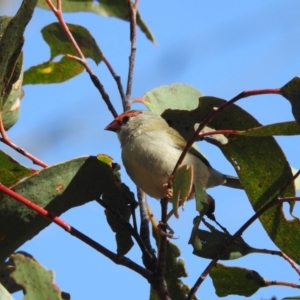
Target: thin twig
x=121 y=260
x=216 y=111
x=5 y=139
x=116 y=77
x=279 y=253
x=290 y=261
x=239 y=233
x=132 y=8
x=81 y=58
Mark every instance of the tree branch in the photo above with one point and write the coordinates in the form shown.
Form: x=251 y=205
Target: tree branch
x=262 y=210
x=159 y=283
x=81 y=58
x=132 y=7
x=5 y=139
x=121 y=260
x=216 y=111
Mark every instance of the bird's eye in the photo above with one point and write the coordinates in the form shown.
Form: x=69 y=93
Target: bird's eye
x=125 y=119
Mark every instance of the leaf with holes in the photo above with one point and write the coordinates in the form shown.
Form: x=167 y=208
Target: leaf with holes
x=35 y=279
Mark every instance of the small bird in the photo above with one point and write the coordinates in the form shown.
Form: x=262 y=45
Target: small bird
x=150 y=151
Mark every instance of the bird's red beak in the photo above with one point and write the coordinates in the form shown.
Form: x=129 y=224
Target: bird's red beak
x=113 y=126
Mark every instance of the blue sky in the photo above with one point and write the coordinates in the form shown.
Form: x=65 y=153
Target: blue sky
x=220 y=48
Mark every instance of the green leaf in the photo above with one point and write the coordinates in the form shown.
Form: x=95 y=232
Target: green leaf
x=202 y=205
x=12 y=98
x=53 y=72
x=5 y=271
x=11 y=171
x=59 y=43
x=259 y=162
x=58 y=189
x=182 y=186
x=107 y=8
x=291 y=91
x=235 y=281
x=284 y=128
x=120 y=205
x=11 y=43
x=36 y=280
x=208 y=244
x=175 y=96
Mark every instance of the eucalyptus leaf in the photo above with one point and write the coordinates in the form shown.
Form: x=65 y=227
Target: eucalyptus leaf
x=58 y=189
x=235 y=281
x=53 y=72
x=182 y=186
x=11 y=43
x=208 y=244
x=59 y=43
x=11 y=171
x=35 y=279
x=259 y=162
x=291 y=91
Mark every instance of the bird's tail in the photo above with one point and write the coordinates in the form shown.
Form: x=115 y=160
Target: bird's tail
x=232 y=182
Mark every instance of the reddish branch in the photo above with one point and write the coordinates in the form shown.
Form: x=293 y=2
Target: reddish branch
x=121 y=260
x=5 y=139
x=216 y=111
x=81 y=58
x=283 y=283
